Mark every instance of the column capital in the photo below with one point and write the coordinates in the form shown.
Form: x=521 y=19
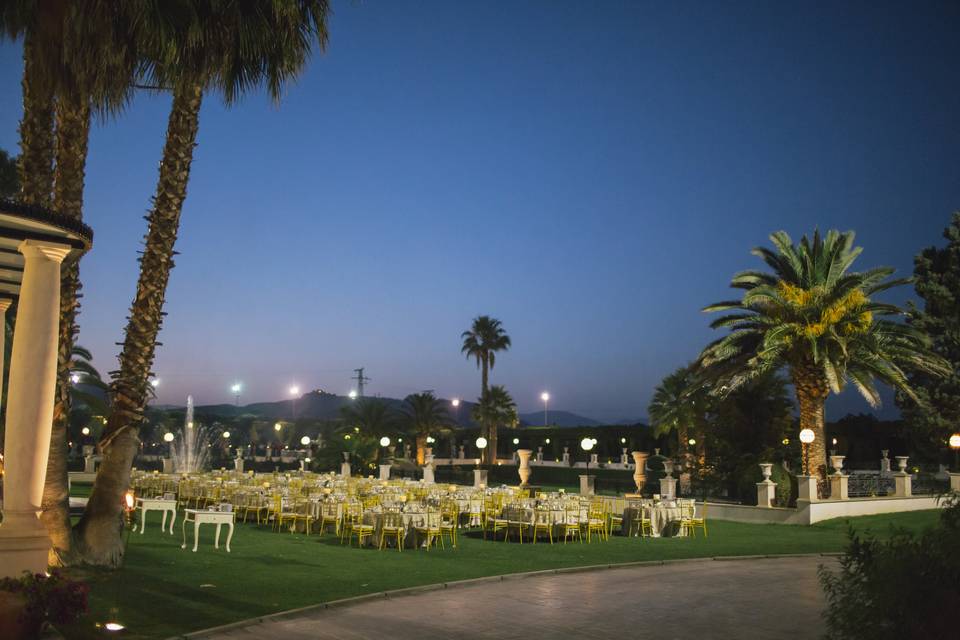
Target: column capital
x=52 y=251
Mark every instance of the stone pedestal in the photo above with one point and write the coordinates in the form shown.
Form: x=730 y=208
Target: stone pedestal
x=524 y=468
x=808 y=488
x=624 y=458
x=587 y=485
x=89 y=464
x=30 y=395
x=238 y=464
x=345 y=469
x=593 y=459
x=168 y=465
x=385 y=471
x=479 y=478
x=462 y=453
x=539 y=454
x=428 y=474
x=955 y=482
x=668 y=488
x=838 y=486
x=766 y=493
x=640 y=469
x=902 y=483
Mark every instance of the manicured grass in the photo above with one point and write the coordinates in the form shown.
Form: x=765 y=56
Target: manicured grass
x=163 y=590
x=80 y=490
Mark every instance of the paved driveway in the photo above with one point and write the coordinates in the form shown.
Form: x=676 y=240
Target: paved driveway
x=751 y=598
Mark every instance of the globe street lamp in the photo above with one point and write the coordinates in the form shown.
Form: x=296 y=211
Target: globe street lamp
x=277 y=426
x=85 y=431
x=353 y=394
x=955 y=445
x=236 y=389
x=455 y=403
x=305 y=440
x=806 y=438
x=384 y=441
x=168 y=437
x=546 y=398
x=587 y=445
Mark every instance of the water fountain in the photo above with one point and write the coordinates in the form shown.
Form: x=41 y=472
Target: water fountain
x=190 y=452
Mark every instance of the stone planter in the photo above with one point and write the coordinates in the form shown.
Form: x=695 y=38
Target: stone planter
x=668 y=467
x=902 y=463
x=766 y=468
x=640 y=468
x=524 y=468
x=837 y=463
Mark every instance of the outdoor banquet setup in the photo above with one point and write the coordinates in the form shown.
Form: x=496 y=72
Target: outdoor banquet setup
x=400 y=513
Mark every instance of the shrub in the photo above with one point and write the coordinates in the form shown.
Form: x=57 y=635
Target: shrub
x=49 y=598
x=905 y=587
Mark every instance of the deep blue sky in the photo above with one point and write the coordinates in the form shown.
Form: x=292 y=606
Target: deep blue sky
x=590 y=173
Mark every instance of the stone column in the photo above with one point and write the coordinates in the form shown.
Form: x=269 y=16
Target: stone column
x=30 y=395
x=479 y=478
x=385 y=471
x=955 y=482
x=4 y=305
x=587 y=486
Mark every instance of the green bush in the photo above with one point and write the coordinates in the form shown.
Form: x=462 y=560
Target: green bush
x=905 y=587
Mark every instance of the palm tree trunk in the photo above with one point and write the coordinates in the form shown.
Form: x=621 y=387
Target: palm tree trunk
x=73 y=128
x=35 y=166
x=99 y=531
x=812 y=391
x=492 y=444
x=485 y=430
x=421 y=446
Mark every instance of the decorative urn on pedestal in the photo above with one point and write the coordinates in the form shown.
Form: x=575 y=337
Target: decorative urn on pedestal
x=640 y=467
x=524 y=468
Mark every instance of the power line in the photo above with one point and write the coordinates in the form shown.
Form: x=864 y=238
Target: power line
x=361 y=379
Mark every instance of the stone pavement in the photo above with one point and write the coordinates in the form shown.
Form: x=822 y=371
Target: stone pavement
x=766 y=598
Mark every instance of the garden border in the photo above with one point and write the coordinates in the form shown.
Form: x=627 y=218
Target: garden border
x=408 y=591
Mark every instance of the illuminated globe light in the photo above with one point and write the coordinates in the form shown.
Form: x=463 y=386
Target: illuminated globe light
x=305 y=440
x=294 y=390
x=346 y=436
x=430 y=440
x=545 y=396
x=547 y=441
x=786 y=441
x=692 y=441
x=481 y=443
x=307 y=460
x=226 y=434
x=623 y=441
x=236 y=388
x=455 y=402
x=114 y=626
x=586 y=444
x=277 y=426
x=353 y=394
x=594 y=441
x=75 y=378
x=955 y=441
x=168 y=437
x=807 y=436
x=85 y=431
x=384 y=441
x=516 y=441
x=190 y=425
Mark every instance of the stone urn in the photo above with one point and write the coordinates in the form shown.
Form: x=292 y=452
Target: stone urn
x=766 y=468
x=524 y=468
x=639 y=471
x=837 y=463
x=668 y=467
x=902 y=463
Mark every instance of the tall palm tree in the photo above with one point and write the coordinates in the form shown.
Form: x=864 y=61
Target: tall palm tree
x=494 y=408
x=672 y=410
x=811 y=314
x=190 y=46
x=482 y=342
x=422 y=415
x=77 y=59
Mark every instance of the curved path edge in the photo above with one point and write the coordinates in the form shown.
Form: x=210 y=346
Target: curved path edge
x=408 y=591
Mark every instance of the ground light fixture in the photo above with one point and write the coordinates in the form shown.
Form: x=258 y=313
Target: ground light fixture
x=168 y=437
x=806 y=438
x=305 y=440
x=384 y=441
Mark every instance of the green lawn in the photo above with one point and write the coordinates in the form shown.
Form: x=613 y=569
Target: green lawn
x=164 y=590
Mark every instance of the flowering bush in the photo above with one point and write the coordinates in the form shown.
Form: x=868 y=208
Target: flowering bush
x=49 y=598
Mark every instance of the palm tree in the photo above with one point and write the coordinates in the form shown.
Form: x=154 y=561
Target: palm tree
x=673 y=409
x=482 y=342
x=495 y=407
x=371 y=415
x=815 y=317
x=422 y=415
x=189 y=46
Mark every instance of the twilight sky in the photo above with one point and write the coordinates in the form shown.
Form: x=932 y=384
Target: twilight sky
x=590 y=173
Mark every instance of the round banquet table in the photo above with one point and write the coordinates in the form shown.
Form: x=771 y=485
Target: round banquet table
x=664 y=518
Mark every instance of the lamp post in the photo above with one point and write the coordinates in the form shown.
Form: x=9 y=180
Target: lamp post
x=806 y=438
x=455 y=403
x=955 y=445
x=236 y=389
x=294 y=392
x=546 y=398
x=587 y=445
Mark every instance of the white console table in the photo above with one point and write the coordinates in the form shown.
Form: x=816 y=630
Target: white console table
x=157 y=504
x=198 y=517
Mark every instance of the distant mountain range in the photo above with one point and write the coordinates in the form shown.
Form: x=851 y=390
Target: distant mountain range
x=319 y=405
